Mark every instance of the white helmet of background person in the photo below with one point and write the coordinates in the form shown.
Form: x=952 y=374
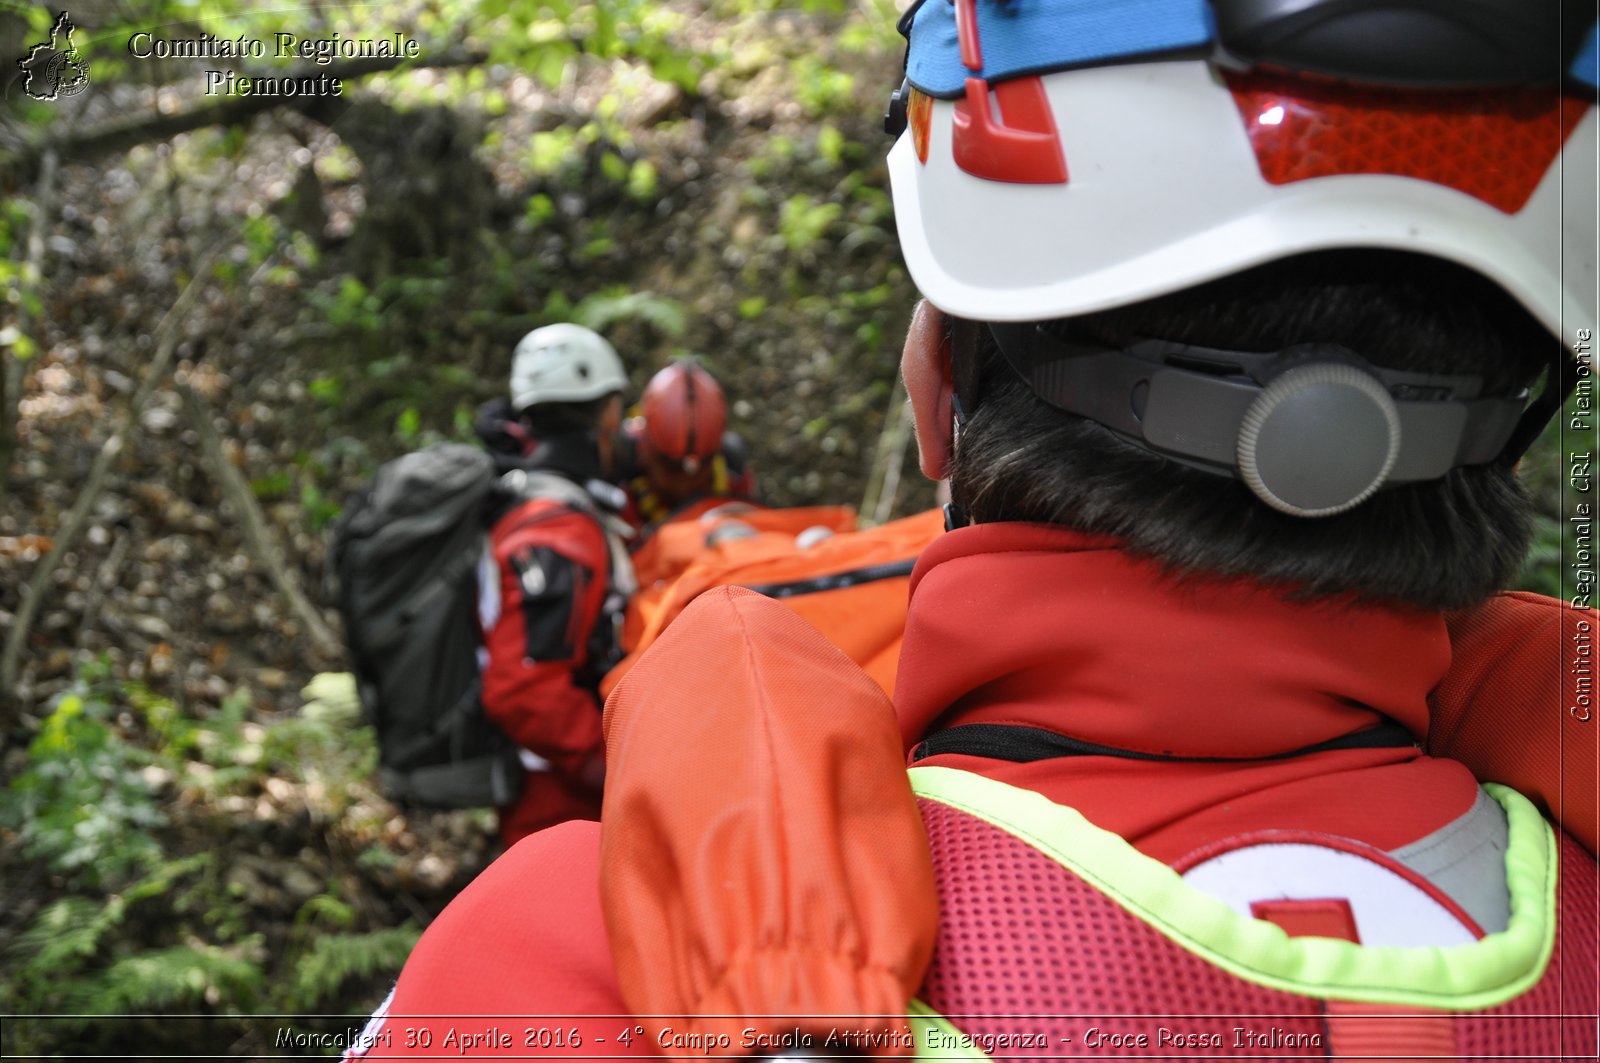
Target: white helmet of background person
x=1062 y=157
x=1065 y=157
x=564 y=363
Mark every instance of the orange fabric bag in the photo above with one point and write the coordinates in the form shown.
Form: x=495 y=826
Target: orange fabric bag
x=764 y=868
x=664 y=553
x=667 y=550
x=852 y=586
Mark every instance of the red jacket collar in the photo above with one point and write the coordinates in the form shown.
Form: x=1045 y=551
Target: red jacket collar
x=1023 y=623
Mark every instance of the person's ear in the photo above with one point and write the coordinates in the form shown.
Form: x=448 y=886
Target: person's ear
x=925 y=366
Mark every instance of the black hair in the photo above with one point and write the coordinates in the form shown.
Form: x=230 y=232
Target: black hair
x=1440 y=545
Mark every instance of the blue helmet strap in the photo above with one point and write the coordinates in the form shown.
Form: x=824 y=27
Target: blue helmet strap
x=1418 y=43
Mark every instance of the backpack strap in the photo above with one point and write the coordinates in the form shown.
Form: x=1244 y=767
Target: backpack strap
x=601 y=502
x=538 y=483
x=834 y=581
x=1020 y=744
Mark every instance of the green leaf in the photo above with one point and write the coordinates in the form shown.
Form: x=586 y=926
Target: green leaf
x=335 y=959
x=613 y=168
x=830 y=144
x=326 y=389
x=642 y=180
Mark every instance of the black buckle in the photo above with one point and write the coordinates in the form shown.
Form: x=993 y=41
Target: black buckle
x=895 y=118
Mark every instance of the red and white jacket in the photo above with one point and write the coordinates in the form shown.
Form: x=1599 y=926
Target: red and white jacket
x=543 y=589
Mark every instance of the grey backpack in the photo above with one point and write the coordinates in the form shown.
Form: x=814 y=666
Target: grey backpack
x=405 y=557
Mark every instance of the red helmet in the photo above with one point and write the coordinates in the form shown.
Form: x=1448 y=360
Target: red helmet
x=684 y=415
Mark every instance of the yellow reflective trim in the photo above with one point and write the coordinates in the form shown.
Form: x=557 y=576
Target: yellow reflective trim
x=1470 y=977
x=937 y=1038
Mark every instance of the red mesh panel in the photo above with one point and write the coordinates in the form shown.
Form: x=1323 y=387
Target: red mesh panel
x=1495 y=144
x=1018 y=934
x=1547 y=1022
x=1025 y=947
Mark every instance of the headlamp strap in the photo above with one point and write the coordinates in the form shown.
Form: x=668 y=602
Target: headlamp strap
x=1308 y=411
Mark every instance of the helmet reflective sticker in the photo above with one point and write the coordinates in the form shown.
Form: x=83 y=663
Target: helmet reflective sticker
x=1003 y=134
x=1021 y=147
x=1494 y=144
x=919 y=112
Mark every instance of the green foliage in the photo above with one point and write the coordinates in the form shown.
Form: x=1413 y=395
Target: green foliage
x=546 y=37
x=352 y=307
x=320 y=510
x=262 y=236
x=612 y=166
x=19 y=280
x=170 y=978
x=803 y=221
x=642 y=180
x=272 y=486
x=408 y=426
x=58 y=943
x=76 y=957
x=339 y=164
x=325 y=910
x=830 y=145
x=336 y=959
x=373 y=357
x=776 y=155
x=20 y=344
x=1547 y=475
x=145 y=928
x=821 y=89
x=1542 y=568
x=540 y=209
x=555 y=151
x=83 y=806
x=326 y=746
x=604 y=309
x=597 y=246
x=326 y=389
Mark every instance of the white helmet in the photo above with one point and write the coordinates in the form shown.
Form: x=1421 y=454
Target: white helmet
x=564 y=363
x=1061 y=158
x=1034 y=184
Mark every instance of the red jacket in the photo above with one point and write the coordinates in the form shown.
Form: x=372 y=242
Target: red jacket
x=777 y=858
x=540 y=610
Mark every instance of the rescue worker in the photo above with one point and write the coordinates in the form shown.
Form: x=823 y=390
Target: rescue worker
x=688 y=461
x=1232 y=315
x=552 y=585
